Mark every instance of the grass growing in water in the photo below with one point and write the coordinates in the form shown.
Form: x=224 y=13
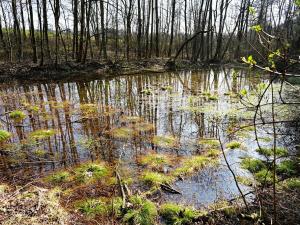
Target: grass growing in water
x=213 y=143
x=142 y=212
x=287 y=167
x=280 y=152
x=253 y=165
x=42 y=134
x=155 y=160
x=4 y=135
x=165 y=141
x=155 y=178
x=123 y=132
x=179 y=215
x=233 y=145
x=192 y=164
x=90 y=171
x=17 y=116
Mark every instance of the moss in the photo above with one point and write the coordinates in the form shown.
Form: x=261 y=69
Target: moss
x=123 y=132
x=91 y=207
x=131 y=119
x=155 y=178
x=280 y=152
x=90 y=172
x=224 y=206
x=192 y=164
x=253 y=165
x=213 y=143
x=154 y=160
x=233 y=145
x=264 y=176
x=287 y=167
x=178 y=214
x=292 y=183
x=4 y=135
x=142 y=212
x=17 y=115
x=59 y=177
x=42 y=134
x=165 y=141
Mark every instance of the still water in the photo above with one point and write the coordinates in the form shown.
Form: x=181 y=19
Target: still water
x=115 y=120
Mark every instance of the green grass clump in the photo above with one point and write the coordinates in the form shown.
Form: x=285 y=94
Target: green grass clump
x=233 y=145
x=264 y=176
x=192 y=164
x=88 y=109
x=253 y=165
x=280 y=152
x=165 y=141
x=155 y=160
x=91 y=207
x=155 y=178
x=4 y=135
x=90 y=171
x=213 y=143
x=142 y=212
x=245 y=180
x=59 y=177
x=42 y=134
x=292 y=183
x=213 y=153
x=124 y=132
x=287 y=167
x=213 y=97
x=179 y=215
x=17 y=115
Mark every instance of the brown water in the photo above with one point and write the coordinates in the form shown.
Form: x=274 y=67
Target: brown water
x=86 y=117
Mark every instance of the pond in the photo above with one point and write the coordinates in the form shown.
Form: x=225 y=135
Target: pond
x=122 y=120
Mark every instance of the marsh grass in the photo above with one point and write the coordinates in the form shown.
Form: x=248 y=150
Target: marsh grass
x=178 y=214
x=17 y=116
x=165 y=141
x=253 y=165
x=211 y=143
x=280 y=152
x=233 y=145
x=287 y=168
x=89 y=172
x=4 y=136
x=155 y=160
x=42 y=134
x=124 y=132
x=58 y=177
x=91 y=207
x=155 y=178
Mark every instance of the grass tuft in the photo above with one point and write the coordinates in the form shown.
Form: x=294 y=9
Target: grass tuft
x=280 y=152
x=155 y=178
x=91 y=207
x=178 y=214
x=233 y=145
x=90 y=172
x=59 y=177
x=165 y=141
x=42 y=134
x=253 y=165
x=17 y=116
x=4 y=135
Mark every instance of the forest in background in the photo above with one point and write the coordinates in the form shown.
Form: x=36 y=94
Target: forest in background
x=53 y=32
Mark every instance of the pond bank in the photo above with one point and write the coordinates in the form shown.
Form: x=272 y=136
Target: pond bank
x=72 y=70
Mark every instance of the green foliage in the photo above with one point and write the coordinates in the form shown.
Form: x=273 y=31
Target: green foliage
x=292 y=183
x=253 y=165
x=243 y=92
x=147 y=91
x=280 y=152
x=213 y=143
x=287 y=167
x=213 y=97
x=297 y=2
x=155 y=178
x=257 y=28
x=91 y=207
x=4 y=135
x=251 y=10
x=179 y=215
x=233 y=145
x=264 y=177
x=88 y=109
x=42 y=134
x=90 y=172
x=271 y=58
x=250 y=61
x=142 y=212
x=59 y=177
x=17 y=116
x=213 y=153
x=165 y=141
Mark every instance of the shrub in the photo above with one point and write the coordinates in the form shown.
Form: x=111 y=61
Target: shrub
x=253 y=165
